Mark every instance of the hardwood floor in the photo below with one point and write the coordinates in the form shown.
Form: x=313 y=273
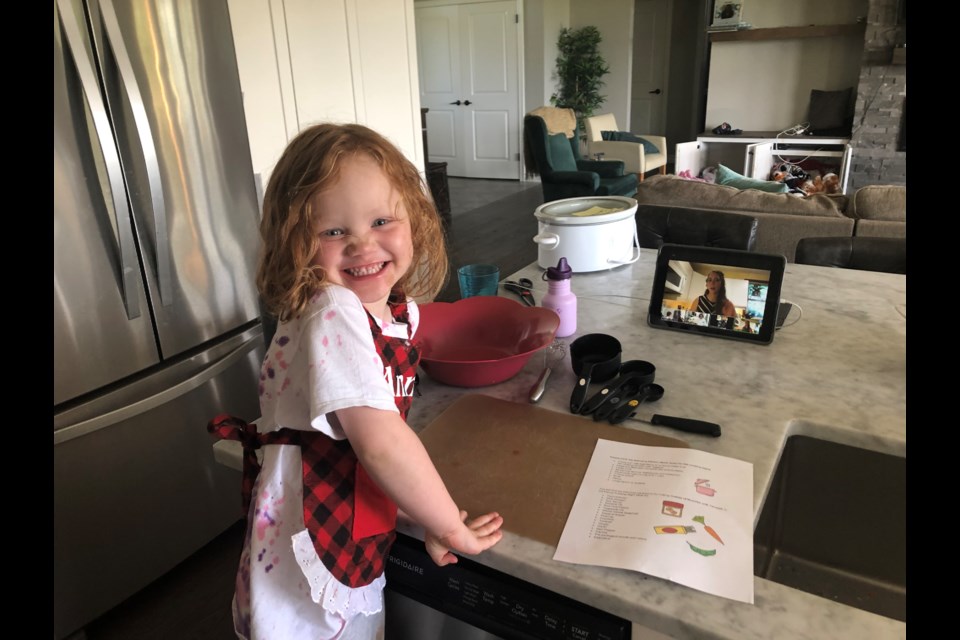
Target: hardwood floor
x=192 y=601
x=500 y=231
x=492 y=221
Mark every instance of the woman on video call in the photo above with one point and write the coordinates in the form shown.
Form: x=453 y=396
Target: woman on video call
x=714 y=298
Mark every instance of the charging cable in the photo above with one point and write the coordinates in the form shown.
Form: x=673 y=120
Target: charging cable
x=793 y=305
x=795 y=130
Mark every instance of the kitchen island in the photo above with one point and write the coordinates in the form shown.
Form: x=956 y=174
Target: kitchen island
x=838 y=374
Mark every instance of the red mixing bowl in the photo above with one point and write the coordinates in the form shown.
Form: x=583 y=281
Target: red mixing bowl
x=482 y=340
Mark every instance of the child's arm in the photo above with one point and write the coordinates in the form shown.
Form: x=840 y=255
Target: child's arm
x=395 y=458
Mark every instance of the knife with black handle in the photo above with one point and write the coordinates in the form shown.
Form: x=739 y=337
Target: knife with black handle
x=681 y=424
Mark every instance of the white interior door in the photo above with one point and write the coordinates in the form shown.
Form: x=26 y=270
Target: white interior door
x=651 y=53
x=469 y=81
x=438 y=60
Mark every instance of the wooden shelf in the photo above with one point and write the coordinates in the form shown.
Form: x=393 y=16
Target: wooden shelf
x=783 y=33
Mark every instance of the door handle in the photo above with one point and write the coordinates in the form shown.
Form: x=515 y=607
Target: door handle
x=655 y=91
x=150 y=158
x=129 y=267
x=112 y=414
x=467 y=102
x=456 y=103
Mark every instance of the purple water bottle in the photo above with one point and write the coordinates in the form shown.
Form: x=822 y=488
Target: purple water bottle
x=560 y=298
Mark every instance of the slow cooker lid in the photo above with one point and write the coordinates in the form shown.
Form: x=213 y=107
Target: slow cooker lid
x=586 y=210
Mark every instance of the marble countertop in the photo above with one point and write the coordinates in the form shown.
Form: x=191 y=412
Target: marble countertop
x=837 y=374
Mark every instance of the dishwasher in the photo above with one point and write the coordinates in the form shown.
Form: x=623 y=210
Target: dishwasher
x=468 y=601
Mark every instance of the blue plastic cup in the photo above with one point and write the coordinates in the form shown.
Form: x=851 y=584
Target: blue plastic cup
x=478 y=280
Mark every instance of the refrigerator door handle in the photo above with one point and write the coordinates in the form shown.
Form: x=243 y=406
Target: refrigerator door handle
x=129 y=266
x=130 y=410
x=129 y=80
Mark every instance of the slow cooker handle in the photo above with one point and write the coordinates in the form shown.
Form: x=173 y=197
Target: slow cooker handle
x=636 y=243
x=549 y=240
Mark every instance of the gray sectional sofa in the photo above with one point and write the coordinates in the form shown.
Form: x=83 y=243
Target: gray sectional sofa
x=784 y=219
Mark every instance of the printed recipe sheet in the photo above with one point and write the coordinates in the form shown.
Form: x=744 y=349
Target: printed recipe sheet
x=679 y=514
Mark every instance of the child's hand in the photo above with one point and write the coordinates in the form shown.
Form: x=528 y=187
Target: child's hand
x=474 y=536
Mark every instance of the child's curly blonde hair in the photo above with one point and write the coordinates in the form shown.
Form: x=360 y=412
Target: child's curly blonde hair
x=310 y=164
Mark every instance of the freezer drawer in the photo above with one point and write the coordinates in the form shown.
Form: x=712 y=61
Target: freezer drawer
x=134 y=498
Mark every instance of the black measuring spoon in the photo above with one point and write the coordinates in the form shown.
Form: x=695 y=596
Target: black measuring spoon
x=635 y=372
x=649 y=393
x=631 y=389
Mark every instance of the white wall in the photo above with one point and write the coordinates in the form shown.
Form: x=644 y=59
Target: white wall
x=543 y=20
x=765 y=85
x=614 y=19
x=253 y=35
x=308 y=61
x=736 y=292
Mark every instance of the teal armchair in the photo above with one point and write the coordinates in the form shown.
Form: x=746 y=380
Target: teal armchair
x=563 y=172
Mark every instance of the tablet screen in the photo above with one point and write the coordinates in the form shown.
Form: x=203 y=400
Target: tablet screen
x=719 y=292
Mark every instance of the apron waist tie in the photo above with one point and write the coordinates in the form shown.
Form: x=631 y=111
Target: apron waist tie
x=228 y=427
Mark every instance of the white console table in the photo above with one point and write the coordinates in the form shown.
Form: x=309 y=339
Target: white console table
x=753 y=153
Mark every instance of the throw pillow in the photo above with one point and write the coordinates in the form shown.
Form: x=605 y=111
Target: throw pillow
x=626 y=136
x=561 y=153
x=731 y=178
x=831 y=112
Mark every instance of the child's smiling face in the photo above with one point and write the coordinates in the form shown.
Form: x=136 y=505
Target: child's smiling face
x=364 y=230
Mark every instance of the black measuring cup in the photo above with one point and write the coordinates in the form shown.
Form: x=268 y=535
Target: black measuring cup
x=595 y=357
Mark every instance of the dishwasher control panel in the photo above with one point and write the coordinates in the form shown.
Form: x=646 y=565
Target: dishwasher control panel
x=494 y=601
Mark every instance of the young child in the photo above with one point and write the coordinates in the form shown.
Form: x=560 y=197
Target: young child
x=348 y=234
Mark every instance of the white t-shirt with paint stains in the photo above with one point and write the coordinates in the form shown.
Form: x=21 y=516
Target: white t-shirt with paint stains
x=319 y=362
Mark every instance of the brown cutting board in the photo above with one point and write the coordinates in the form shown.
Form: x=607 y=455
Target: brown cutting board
x=521 y=461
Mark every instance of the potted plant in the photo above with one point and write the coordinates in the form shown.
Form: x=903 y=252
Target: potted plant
x=580 y=71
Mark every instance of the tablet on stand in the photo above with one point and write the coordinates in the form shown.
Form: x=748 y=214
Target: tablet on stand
x=724 y=293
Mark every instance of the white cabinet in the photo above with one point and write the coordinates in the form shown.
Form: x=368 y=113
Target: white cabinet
x=308 y=61
x=755 y=154
x=697 y=155
x=763 y=156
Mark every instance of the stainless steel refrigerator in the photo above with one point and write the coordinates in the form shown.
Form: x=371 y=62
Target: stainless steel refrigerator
x=156 y=320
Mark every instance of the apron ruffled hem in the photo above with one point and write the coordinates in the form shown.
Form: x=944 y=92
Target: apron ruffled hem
x=330 y=593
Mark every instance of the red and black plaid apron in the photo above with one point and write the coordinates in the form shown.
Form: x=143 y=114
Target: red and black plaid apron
x=349 y=518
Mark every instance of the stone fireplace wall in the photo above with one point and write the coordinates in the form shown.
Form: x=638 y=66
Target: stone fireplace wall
x=878 y=157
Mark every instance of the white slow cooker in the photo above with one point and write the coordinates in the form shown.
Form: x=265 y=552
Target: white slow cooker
x=593 y=233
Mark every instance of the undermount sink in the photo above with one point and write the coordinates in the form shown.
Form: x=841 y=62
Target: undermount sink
x=834 y=525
